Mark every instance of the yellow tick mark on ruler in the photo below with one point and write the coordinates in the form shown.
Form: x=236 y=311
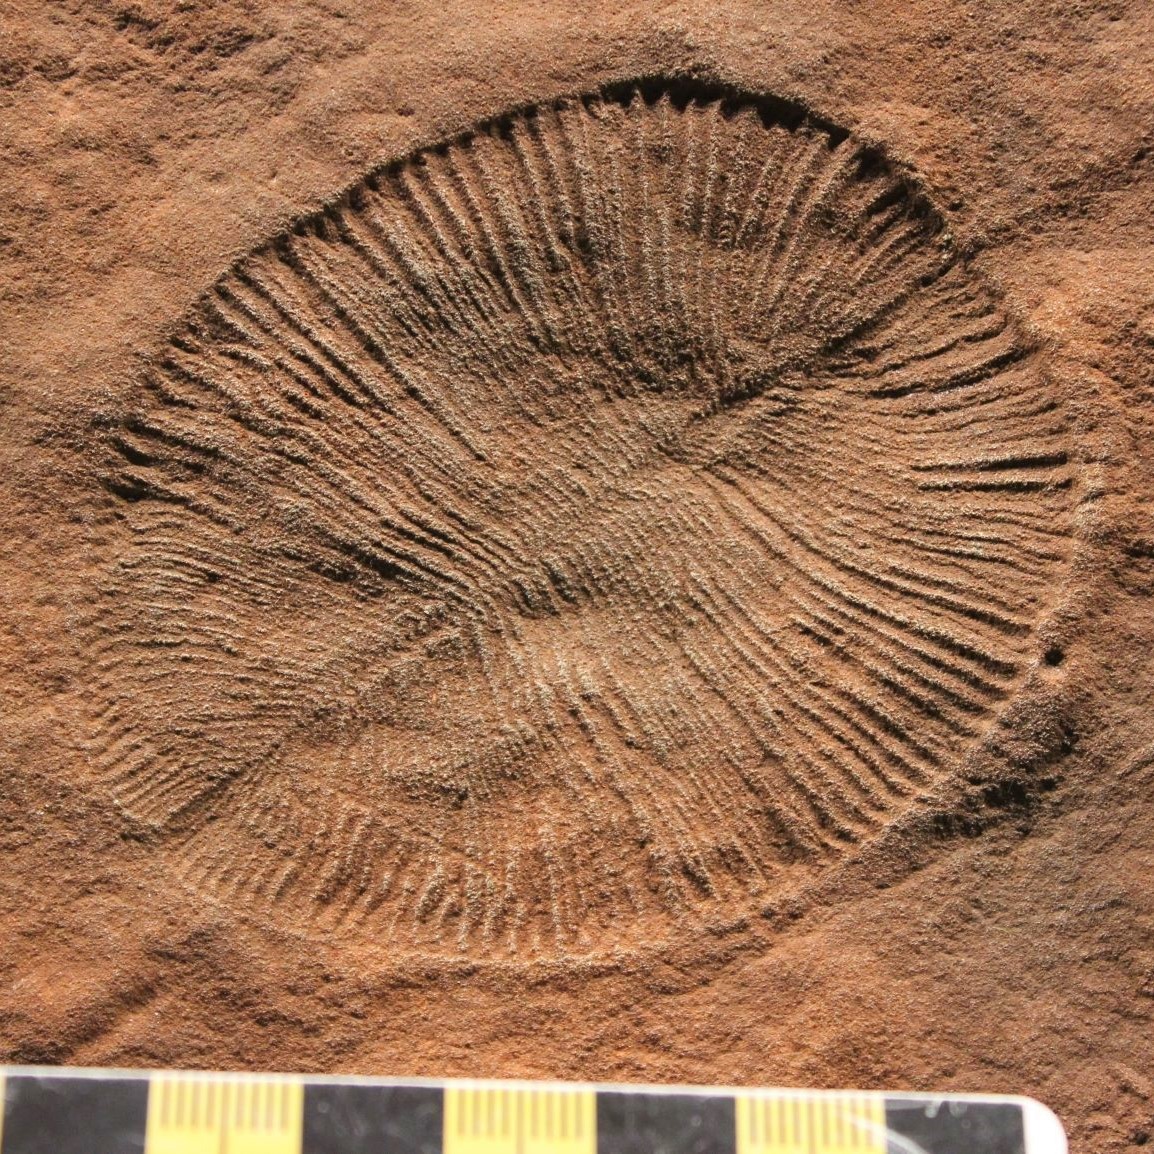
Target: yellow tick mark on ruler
x=503 y=1120
x=199 y=1114
x=796 y=1124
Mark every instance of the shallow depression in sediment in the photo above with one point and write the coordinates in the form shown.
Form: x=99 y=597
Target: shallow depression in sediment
x=591 y=524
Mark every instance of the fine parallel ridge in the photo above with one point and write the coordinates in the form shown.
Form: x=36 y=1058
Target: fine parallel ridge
x=592 y=525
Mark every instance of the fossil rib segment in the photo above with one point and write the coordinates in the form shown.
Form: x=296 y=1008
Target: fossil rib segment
x=597 y=522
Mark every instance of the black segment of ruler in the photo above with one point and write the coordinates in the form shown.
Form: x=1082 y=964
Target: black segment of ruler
x=63 y=1115
x=913 y=1126
x=639 y=1123
x=366 y=1119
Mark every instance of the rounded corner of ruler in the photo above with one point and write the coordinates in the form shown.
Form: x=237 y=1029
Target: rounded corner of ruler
x=1044 y=1132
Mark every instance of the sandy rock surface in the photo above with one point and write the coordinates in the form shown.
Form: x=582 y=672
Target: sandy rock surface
x=555 y=542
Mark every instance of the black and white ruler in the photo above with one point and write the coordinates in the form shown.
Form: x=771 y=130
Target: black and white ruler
x=58 y=1111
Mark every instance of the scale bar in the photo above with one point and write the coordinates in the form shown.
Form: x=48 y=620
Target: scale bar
x=52 y=1111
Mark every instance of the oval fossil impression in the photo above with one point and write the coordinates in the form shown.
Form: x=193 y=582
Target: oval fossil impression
x=596 y=523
